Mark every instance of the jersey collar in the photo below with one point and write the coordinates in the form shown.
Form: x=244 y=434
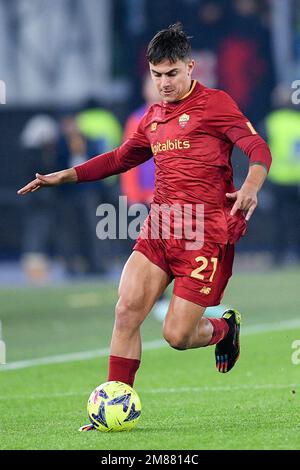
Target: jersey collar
x=167 y=105
x=194 y=82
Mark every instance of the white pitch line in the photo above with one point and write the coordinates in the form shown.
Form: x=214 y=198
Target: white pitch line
x=276 y=326
x=71 y=357
x=222 y=388
x=205 y=389
x=84 y=355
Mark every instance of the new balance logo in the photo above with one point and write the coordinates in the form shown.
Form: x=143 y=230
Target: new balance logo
x=205 y=290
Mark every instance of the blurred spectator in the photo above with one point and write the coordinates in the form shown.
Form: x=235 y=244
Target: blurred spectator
x=100 y=126
x=208 y=31
x=103 y=130
x=38 y=140
x=77 y=241
x=245 y=68
x=212 y=25
x=282 y=131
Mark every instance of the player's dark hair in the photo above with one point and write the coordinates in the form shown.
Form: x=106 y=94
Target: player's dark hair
x=169 y=44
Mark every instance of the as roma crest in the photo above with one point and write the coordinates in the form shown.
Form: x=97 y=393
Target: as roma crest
x=183 y=120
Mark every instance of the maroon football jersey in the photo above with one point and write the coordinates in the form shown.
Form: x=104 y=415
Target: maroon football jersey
x=191 y=141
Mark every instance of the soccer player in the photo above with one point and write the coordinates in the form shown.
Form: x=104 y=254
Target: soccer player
x=191 y=133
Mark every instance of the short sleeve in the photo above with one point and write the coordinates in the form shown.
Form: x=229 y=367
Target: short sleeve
x=224 y=119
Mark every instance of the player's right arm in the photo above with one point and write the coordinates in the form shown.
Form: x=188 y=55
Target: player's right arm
x=131 y=153
x=53 y=179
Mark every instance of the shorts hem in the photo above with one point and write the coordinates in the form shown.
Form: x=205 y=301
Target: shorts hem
x=191 y=297
x=154 y=261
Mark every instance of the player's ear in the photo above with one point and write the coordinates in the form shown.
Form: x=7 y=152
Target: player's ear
x=190 y=65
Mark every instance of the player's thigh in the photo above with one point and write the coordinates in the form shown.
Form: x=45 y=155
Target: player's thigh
x=182 y=318
x=142 y=283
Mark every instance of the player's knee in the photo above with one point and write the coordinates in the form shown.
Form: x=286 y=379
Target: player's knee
x=176 y=340
x=127 y=314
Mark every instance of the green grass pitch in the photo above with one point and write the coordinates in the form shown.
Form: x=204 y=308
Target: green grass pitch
x=186 y=403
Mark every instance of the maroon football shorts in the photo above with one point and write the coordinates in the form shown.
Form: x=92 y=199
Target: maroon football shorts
x=200 y=275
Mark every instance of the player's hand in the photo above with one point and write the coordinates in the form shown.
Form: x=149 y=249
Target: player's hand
x=42 y=181
x=245 y=199
x=53 y=179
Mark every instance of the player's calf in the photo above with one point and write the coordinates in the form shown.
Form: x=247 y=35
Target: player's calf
x=177 y=341
x=195 y=337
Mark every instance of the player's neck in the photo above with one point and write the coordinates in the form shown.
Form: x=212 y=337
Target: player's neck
x=188 y=90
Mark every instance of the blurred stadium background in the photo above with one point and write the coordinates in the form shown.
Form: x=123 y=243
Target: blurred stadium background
x=73 y=72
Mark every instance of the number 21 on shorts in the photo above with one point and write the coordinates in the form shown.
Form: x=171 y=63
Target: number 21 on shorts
x=204 y=262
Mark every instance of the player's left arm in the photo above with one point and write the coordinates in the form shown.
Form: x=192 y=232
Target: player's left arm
x=260 y=161
x=224 y=119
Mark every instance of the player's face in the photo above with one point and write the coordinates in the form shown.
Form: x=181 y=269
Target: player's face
x=173 y=80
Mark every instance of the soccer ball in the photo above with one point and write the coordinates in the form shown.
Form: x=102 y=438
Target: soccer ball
x=114 y=406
